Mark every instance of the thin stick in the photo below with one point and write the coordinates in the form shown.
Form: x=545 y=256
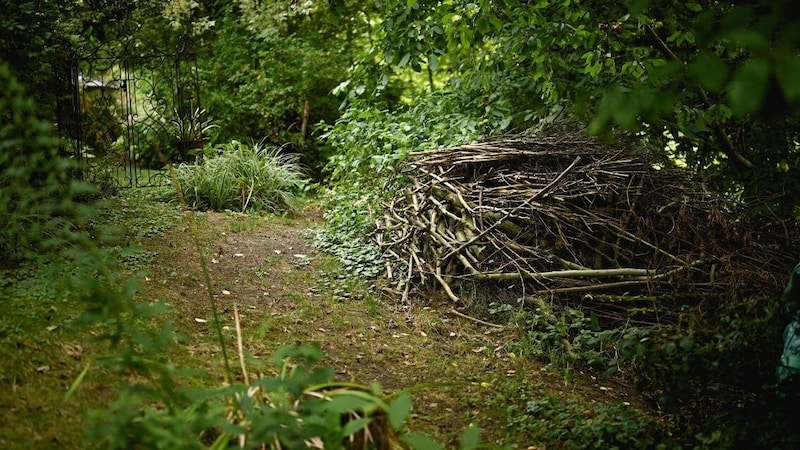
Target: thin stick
x=527 y=202
x=239 y=344
x=446 y=288
x=482 y=322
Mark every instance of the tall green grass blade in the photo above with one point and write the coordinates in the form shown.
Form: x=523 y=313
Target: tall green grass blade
x=76 y=383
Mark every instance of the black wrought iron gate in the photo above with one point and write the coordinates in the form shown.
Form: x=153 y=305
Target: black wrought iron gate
x=119 y=107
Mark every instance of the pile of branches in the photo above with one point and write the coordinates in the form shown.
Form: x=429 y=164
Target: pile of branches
x=572 y=218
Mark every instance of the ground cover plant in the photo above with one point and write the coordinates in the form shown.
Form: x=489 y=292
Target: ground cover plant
x=243 y=177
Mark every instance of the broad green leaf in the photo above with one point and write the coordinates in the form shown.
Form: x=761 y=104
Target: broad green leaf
x=787 y=70
x=433 y=62
x=709 y=71
x=344 y=403
x=470 y=438
x=354 y=426
x=482 y=25
x=749 y=87
x=419 y=441
x=412 y=4
x=404 y=60
x=692 y=6
x=636 y=7
x=466 y=38
x=399 y=410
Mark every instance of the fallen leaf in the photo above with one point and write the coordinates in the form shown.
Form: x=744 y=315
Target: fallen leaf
x=52 y=327
x=239 y=255
x=214 y=261
x=200 y=320
x=277 y=252
x=224 y=292
x=75 y=351
x=300 y=256
x=42 y=369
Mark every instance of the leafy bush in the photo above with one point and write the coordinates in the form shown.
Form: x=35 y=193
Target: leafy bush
x=369 y=144
x=37 y=207
x=301 y=405
x=707 y=371
x=243 y=177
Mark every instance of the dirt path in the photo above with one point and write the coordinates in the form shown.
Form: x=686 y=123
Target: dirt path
x=288 y=293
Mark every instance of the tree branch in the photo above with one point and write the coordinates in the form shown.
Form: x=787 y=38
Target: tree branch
x=739 y=160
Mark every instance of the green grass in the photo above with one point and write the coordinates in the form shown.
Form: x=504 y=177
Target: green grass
x=242 y=178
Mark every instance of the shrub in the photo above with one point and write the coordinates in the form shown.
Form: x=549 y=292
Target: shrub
x=37 y=211
x=369 y=144
x=300 y=408
x=243 y=177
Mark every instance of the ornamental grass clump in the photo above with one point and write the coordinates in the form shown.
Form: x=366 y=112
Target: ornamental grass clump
x=244 y=177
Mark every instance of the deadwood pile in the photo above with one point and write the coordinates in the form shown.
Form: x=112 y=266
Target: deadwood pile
x=569 y=218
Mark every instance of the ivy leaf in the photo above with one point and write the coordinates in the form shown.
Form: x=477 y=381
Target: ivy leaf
x=692 y=6
x=749 y=87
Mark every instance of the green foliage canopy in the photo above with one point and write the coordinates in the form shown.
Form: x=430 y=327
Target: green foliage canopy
x=705 y=81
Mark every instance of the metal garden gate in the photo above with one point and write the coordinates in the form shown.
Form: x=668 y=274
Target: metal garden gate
x=120 y=107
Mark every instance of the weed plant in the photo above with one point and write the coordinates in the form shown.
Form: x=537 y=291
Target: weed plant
x=38 y=207
x=578 y=425
x=710 y=373
x=244 y=177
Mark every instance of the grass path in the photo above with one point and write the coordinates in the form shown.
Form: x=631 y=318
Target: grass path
x=287 y=293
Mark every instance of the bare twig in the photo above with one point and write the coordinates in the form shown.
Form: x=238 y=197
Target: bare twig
x=482 y=322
